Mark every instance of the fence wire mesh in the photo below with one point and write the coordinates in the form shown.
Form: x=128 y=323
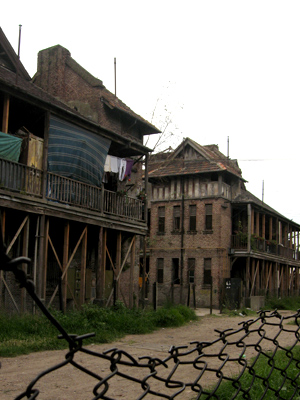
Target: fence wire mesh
x=198 y=370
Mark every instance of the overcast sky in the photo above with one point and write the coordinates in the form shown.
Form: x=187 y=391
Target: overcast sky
x=210 y=70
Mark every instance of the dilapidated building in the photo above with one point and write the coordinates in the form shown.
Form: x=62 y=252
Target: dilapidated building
x=69 y=182
x=210 y=239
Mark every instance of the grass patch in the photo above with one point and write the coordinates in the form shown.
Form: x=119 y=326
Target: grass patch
x=28 y=333
x=238 y=313
x=268 y=369
x=283 y=303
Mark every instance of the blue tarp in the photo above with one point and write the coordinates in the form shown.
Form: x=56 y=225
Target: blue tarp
x=10 y=147
x=76 y=153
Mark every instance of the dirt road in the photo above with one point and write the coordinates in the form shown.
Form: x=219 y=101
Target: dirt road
x=70 y=383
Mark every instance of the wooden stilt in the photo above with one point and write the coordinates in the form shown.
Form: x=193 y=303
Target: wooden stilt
x=5 y=117
x=64 y=277
x=132 y=272
x=25 y=266
x=83 y=268
x=100 y=273
x=118 y=260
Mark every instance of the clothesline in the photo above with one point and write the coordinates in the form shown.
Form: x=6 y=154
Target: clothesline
x=120 y=166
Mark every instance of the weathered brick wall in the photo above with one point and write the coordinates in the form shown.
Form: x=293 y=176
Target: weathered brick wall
x=201 y=244
x=84 y=93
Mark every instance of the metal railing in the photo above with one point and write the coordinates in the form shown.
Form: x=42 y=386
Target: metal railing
x=230 y=358
x=240 y=242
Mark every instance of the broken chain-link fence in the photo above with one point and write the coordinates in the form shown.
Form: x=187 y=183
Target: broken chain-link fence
x=242 y=363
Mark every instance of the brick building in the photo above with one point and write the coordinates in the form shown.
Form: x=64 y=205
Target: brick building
x=212 y=239
x=69 y=182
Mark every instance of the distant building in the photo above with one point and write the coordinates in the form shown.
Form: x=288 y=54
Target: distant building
x=69 y=179
x=207 y=229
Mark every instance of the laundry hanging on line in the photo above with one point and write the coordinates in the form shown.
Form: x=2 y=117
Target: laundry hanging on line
x=120 y=166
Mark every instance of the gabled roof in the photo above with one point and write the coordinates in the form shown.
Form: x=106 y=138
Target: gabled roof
x=9 y=58
x=201 y=159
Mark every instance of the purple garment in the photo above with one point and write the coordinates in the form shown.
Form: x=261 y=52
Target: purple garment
x=129 y=164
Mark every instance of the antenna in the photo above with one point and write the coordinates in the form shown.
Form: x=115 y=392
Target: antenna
x=19 y=44
x=263 y=191
x=115 y=64
x=227 y=146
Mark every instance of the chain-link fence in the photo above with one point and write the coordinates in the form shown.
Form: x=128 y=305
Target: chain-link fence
x=249 y=362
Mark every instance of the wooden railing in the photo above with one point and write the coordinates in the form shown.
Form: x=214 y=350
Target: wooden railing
x=27 y=180
x=240 y=242
x=122 y=205
x=20 y=178
x=69 y=191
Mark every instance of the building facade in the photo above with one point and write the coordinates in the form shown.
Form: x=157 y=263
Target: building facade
x=211 y=241
x=70 y=178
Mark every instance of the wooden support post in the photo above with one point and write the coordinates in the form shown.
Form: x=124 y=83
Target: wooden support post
x=252 y=222
x=263 y=233
x=45 y=153
x=24 y=266
x=257 y=224
x=248 y=277
x=41 y=258
x=253 y=275
x=83 y=268
x=271 y=228
x=5 y=117
x=45 y=260
x=65 y=263
x=3 y=215
x=250 y=231
x=132 y=273
x=118 y=261
x=101 y=265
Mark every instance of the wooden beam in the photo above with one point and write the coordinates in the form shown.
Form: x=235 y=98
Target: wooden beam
x=3 y=215
x=61 y=268
x=83 y=268
x=25 y=266
x=64 y=277
x=5 y=117
x=120 y=271
x=132 y=264
x=67 y=265
x=101 y=264
x=118 y=259
x=16 y=235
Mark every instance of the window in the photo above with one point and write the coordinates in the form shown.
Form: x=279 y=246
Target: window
x=161 y=219
x=160 y=270
x=192 y=210
x=175 y=271
x=176 y=218
x=207 y=271
x=208 y=217
x=191 y=270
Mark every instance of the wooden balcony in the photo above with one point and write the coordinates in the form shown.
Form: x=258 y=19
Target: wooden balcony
x=240 y=242
x=28 y=181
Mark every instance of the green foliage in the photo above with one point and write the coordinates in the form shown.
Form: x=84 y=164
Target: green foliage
x=265 y=368
x=28 y=333
x=283 y=303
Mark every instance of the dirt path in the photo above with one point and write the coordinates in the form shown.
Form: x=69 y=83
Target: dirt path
x=70 y=383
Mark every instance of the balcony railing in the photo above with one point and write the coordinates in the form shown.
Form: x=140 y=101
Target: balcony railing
x=240 y=242
x=69 y=191
x=27 y=180
x=121 y=204
x=20 y=178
